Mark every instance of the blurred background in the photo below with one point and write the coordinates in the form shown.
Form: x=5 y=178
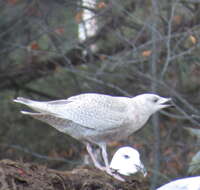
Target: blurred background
x=55 y=49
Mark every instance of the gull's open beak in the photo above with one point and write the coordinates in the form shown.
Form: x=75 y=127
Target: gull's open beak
x=166 y=102
x=142 y=169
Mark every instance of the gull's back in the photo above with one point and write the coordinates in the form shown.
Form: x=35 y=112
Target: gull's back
x=95 y=111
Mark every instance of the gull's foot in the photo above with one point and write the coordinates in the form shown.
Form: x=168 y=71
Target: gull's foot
x=115 y=175
x=100 y=167
x=118 y=177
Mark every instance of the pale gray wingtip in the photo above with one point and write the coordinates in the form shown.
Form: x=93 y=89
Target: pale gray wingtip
x=28 y=113
x=21 y=100
x=32 y=113
x=15 y=100
x=25 y=112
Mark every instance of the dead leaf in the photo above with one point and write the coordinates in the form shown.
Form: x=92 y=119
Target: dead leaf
x=59 y=31
x=146 y=53
x=12 y=2
x=193 y=39
x=102 y=57
x=177 y=19
x=34 y=46
x=101 y=5
x=79 y=17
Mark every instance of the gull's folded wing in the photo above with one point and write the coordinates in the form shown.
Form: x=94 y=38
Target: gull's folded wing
x=95 y=111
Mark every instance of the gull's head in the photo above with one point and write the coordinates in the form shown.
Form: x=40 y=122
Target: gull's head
x=153 y=102
x=126 y=161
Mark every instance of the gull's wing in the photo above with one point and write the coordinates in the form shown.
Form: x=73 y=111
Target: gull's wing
x=95 y=111
x=63 y=125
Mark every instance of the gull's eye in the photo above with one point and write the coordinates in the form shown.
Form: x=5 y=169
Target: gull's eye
x=155 y=100
x=126 y=156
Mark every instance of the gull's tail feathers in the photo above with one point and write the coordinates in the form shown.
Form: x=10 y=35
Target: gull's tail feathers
x=41 y=116
x=58 y=123
x=23 y=101
x=31 y=113
x=35 y=105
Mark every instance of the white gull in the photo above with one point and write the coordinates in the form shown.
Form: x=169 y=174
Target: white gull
x=97 y=118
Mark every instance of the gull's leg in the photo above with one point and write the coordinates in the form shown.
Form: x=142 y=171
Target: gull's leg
x=105 y=158
x=95 y=161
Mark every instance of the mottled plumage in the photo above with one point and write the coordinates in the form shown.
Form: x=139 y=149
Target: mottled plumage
x=97 y=118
